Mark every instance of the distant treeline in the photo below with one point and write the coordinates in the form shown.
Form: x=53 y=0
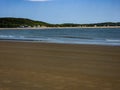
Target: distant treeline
x=19 y=22
x=23 y=22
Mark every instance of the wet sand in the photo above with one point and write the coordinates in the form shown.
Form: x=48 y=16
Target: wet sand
x=43 y=66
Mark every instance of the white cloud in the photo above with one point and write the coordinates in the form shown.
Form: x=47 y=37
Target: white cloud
x=39 y=0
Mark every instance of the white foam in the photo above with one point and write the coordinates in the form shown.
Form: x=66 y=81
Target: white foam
x=6 y=36
x=11 y=37
x=112 y=40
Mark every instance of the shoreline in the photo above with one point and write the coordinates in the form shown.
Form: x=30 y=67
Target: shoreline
x=47 y=42
x=57 y=28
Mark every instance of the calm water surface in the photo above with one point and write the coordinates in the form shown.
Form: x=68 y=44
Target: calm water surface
x=97 y=36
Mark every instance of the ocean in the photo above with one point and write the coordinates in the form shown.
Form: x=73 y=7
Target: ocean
x=94 y=36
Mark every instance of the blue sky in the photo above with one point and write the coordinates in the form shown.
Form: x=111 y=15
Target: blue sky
x=63 y=11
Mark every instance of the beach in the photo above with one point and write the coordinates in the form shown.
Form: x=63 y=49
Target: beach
x=49 y=66
x=38 y=28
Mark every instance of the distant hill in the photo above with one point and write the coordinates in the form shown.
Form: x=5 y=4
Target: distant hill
x=11 y=22
x=104 y=24
x=20 y=22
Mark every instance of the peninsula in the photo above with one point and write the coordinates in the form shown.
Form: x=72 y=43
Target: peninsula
x=11 y=22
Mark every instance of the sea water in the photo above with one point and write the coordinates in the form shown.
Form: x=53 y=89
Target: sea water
x=95 y=36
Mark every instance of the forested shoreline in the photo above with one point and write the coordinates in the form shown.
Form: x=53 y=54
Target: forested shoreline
x=11 y=22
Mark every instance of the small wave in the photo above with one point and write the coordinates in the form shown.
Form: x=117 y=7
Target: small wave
x=76 y=37
x=6 y=36
x=112 y=40
x=10 y=36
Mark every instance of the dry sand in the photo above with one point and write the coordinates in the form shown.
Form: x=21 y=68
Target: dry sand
x=42 y=66
x=57 y=28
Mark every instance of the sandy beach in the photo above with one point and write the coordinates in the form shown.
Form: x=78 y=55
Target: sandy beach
x=45 y=66
x=57 y=28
